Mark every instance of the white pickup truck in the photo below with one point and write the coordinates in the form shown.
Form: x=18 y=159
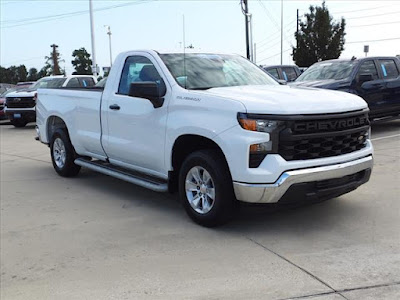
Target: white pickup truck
x=214 y=127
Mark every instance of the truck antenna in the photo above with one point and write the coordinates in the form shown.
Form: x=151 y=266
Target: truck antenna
x=184 y=51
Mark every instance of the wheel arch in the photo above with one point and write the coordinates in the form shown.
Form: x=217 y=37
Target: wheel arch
x=183 y=146
x=53 y=123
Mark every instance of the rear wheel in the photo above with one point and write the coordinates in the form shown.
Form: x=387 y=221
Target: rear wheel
x=18 y=122
x=63 y=154
x=205 y=188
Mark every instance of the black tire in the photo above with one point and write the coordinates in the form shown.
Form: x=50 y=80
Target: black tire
x=68 y=168
x=18 y=122
x=224 y=203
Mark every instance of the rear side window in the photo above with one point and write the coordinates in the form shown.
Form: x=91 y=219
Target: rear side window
x=389 y=68
x=368 y=67
x=289 y=74
x=274 y=72
x=86 y=81
x=73 y=82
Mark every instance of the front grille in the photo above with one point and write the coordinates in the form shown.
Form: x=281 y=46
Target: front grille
x=323 y=137
x=23 y=102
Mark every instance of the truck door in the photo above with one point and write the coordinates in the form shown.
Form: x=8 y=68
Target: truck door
x=391 y=92
x=371 y=90
x=133 y=130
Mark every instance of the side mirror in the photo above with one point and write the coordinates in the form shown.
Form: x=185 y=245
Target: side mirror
x=149 y=90
x=364 y=78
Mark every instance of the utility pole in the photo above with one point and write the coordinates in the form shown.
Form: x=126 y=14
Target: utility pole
x=297 y=30
x=54 y=57
x=281 y=32
x=109 y=41
x=94 y=68
x=246 y=13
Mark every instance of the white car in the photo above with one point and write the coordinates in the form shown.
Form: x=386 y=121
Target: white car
x=214 y=127
x=20 y=105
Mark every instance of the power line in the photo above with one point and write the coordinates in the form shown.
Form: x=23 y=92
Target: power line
x=365 y=25
x=377 y=15
x=380 y=40
x=29 y=21
x=275 y=55
x=365 y=9
x=273 y=20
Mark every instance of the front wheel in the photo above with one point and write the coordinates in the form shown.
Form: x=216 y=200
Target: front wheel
x=63 y=154
x=205 y=188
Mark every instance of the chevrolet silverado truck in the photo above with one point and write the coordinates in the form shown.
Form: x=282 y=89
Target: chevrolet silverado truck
x=20 y=105
x=213 y=127
x=375 y=79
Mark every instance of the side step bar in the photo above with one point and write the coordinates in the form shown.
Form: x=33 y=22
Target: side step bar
x=137 y=178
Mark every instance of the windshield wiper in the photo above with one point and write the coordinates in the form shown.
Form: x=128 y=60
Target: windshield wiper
x=201 y=88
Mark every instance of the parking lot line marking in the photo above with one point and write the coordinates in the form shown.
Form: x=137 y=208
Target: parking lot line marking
x=385 y=137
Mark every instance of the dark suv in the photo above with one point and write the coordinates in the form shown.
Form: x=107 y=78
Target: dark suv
x=375 y=79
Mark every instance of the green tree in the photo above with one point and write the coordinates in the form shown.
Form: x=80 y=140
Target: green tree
x=33 y=74
x=13 y=74
x=319 y=37
x=82 y=62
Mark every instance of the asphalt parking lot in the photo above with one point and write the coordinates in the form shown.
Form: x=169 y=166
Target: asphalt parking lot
x=96 y=237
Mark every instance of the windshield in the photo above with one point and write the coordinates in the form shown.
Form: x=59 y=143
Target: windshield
x=7 y=92
x=328 y=70
x=205 y=71
x=48 y=82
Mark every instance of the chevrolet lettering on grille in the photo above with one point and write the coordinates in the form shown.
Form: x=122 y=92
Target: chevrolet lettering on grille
x=331 y=124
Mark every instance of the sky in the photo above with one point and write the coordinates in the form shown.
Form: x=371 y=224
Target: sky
x=29 y=27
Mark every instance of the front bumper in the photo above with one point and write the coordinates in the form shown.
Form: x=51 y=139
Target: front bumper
x=28 y=114
x=310 y=183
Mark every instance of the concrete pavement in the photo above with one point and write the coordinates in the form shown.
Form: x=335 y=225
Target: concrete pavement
x=96 y=237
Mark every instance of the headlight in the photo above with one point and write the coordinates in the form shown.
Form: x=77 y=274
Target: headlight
x=261 y=124
x=258 y=124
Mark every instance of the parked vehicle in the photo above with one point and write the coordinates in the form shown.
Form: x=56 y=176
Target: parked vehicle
x=20 y=105
x=24 y=84
x=102 y=82
x=3 y=101
x=5 y=86
x=287 y=73
x=375 y=79
x=214 y=127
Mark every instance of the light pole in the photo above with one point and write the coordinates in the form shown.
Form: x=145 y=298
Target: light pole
x=109 y=40
x=94 y=68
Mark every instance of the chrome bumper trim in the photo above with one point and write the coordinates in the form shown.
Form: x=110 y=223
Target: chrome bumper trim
x=271 y=193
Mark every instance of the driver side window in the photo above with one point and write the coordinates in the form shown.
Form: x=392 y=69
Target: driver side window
x=368 y=67
x=137 y=69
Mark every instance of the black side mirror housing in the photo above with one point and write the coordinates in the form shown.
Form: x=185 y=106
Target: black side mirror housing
x=364 y=78
x=149 y=90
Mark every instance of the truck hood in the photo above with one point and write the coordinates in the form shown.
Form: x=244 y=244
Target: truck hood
x=21 y=94
x=288 y=100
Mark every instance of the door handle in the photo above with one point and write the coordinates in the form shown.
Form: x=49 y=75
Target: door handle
x=114 y=107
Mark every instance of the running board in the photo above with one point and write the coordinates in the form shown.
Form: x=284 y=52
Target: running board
x=137 y=178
